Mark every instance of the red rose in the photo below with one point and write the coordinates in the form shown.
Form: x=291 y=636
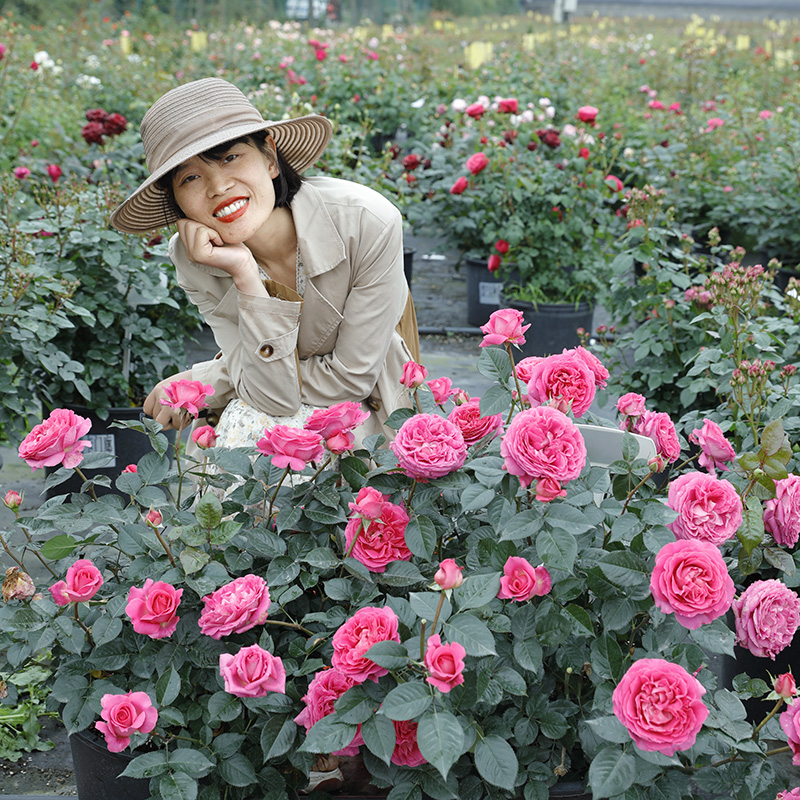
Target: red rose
x=477 y=163
x=549 y=137
x=501 y=245
x=114 y=124
x=411 y=161
x=459 y=186
x=493 y=264
x=96 y=115
x=475 y=110
x=92 y=133
x=587 y=114
x=508 y=105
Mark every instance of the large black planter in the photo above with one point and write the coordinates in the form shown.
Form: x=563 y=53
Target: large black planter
x=97 y=771
x=553 y=326
x=125 y=445
x=408 y=263
x=569 y=790
x=484 y=291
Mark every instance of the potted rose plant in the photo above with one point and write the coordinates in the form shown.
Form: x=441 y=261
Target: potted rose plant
x=475 y=610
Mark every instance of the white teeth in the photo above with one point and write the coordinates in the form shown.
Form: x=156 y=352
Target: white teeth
x=228 y=210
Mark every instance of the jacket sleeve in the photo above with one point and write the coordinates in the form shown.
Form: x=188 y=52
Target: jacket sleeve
x=257 y=337
x=372 y=310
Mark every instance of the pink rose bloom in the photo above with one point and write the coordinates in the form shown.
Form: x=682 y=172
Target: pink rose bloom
x=291 y=447
x=660 y=705
x=154 y=518
x=631 y=407
x=548 y=489
x=524 y=370
x=601 y=374
x=252 y=672
x=442 y=390
x=449 y=576
x=790 y=722
x=20 y=173
x=782 y=512
x=767 y=614
x=428 y=447
x=54 y=171
x=354 y=637
x=204 y=437
x=690 y=579
x=784 y=686
x=793 y=794
x=335 y=425
x=459 y=186
x=380 y=541
x=413 y=375
x=406 y=750
x=563 y=381
x=235 y=607
x=189 y=395
x=710 y=509
x=521 y=580
x=661 y=429
x=82 y=581
x=716 y=449
x=56 y=440
x=508 y=105
x=504 y=326
x=445 y=663
x=369 y=503
x=152 y=608
x=124 y=715
x=477 y=163
x=475 y=110
x=588 y=114
x=467 y=418
x=326 y=687
x=543 y=443
x=131 y=468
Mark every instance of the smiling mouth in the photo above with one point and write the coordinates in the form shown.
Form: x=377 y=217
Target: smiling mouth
x=231 y=210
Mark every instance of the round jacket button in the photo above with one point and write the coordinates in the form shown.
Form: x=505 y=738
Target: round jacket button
x=266 y=350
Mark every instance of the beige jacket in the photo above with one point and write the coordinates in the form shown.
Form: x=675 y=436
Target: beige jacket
x=339 y=343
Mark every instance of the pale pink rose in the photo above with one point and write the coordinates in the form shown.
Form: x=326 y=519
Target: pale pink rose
x=784 y=686
x=789 y=794
x=204 y=437
x=710 y=508
x=563 y=381
x=188 y=395
x=291 y=447
x=790 y=722
x=56 y=440
x=335 y=425
x=782 y=512
x=521 y=580
x=767 y=614
x=235 y=607
x=428 y=447
x=543 y=443
x=17 y=585
x=442 y=390
x=449 y=576
x=377 y=543
x=369 y=503
x=326 y=687
x=523 y=370
x=477 y=163
x=154 y=518
x=152 y=609
x=12 y=500
x=82 y=581
x=601 y=374
x=690 y=579
x=252 y=672
x=406 y=750
x=124 y=715
x=631 y=407
x=715 y=448
x=504 y=326
x=660 y=704
x=460 y=397
x=445 y=663
x=661 y=429
x=413 y=375
x=354 y=637
x=467 y=418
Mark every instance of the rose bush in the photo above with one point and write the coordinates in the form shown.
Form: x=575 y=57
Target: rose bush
x=475 y=618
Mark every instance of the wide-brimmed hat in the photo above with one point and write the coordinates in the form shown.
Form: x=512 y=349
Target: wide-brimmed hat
x=194 y=117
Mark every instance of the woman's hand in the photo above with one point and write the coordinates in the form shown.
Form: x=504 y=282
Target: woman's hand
x=167 y=416
x=205 y=246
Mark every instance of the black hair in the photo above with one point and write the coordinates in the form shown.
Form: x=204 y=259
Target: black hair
x=285 y=184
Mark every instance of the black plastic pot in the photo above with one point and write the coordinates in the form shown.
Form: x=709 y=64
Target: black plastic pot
x=569 y=790
x=553 y=326
x=97 y=771
x=484 y=291
x=125 y=445
x=408 y=263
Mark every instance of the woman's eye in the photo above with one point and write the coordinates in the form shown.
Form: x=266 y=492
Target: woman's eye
x=187 y=179
x=230 y=157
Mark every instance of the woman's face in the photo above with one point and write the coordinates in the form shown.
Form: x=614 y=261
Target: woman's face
x=232 y=195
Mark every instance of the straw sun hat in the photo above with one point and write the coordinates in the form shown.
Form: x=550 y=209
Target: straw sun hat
x=195 y=117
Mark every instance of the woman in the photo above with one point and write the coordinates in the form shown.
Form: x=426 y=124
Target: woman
x=300 y=279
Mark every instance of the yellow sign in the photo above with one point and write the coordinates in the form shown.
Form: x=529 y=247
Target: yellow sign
x=742 y=42
x=125 y=43
x=528 y=42
x=478 y=53
x=784 y=58
x=387 y=31
x=360 y=34
x=198 y=40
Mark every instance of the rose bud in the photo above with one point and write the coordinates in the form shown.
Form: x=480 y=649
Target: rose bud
x=17 y=585
x=131 y=468
x=12 y=500
x=204 y=437
x=153 y=518
x=449 y=576
x=785 y=686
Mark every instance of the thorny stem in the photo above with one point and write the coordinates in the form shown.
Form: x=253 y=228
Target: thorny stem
x=422 y=640
x=13 y=557
x=275 y=493
x=85 y=629
x=516 y=381
x=85 y=479
x=292 y=625
x=416 y=402
x=438 y=611
x=634 y=490
x=164 y=545
x=38 y=555
x=767 y=718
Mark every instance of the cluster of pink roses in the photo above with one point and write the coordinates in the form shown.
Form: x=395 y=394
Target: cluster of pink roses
x=658 y=426
x=375 y=533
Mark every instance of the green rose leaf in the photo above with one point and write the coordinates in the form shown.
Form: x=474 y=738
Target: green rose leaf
x=192 y=762
x=277 y=736
x=476 y=497
x=208 y=511
x=224 y=707
x=496 y=762
x=407 y=701
x=557 y=548
x=237 y=770
x=471 y=634
x=379 y=736
x=147 y=765
x=477 y=590
x=59 y=547
x=328 y=735
x=168 y=686
x=582 y=622
x=611 y=772
x=354 y=706
x=420 y=537
x=152 y=468
x=610 y=729
x=625 y=569
x=389 y=655
x=178 y=786
x=440 y=739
